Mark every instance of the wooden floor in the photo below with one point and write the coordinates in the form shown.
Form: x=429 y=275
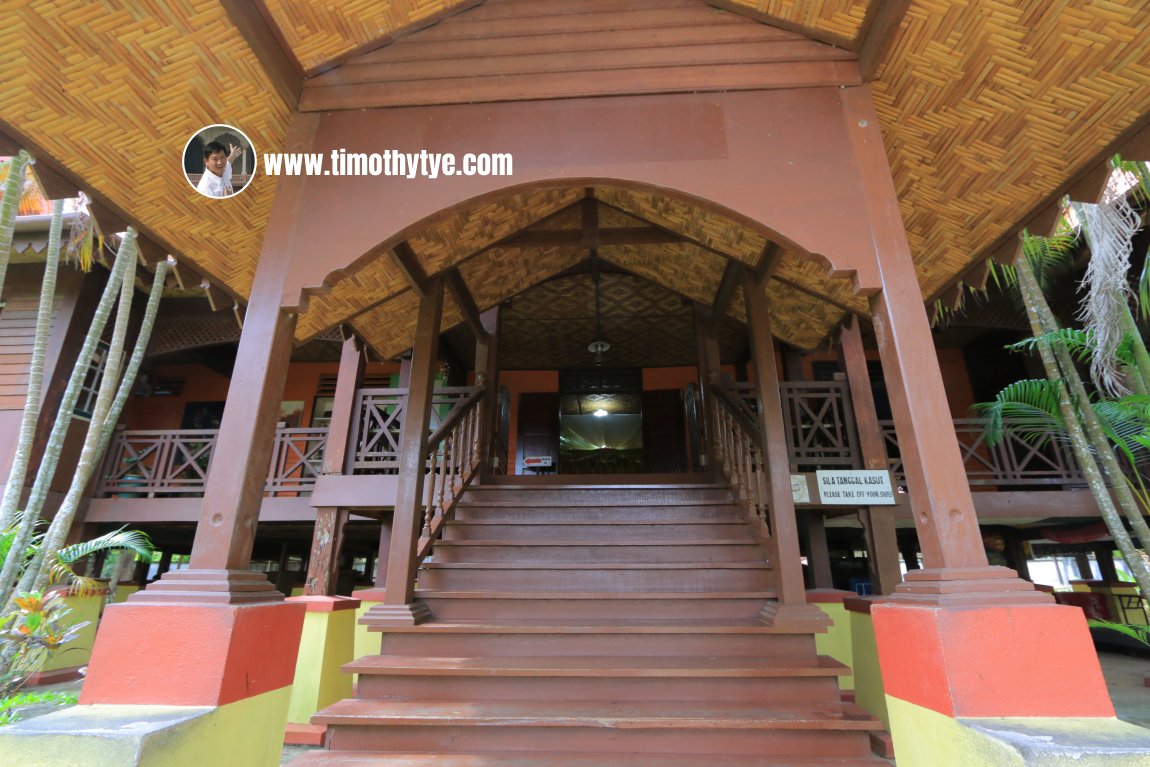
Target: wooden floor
x=603 y=625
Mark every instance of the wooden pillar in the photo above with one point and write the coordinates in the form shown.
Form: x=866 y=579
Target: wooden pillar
x=908 y=547
x=221 y=552
x=397 y=606
x=877 y=521
x=820 y=559
x=165 y=563
x=708 y=364
x=327 y=536
x=487 y=374
x=956 y=565
x=791 y=606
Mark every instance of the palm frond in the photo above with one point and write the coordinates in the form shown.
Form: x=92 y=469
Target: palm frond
x=1030 y=407
x=1050 y=256
x=119 y=540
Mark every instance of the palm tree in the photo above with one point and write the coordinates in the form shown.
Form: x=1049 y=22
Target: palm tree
x=13 y=191
x=1115 y=423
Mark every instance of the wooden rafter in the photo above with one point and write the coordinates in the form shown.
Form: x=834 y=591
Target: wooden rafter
x=466 y=303
x=877 y=34
x=732 y=278
x=408 y=263
x=252 y=19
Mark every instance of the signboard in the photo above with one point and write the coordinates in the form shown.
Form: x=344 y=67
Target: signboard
x=800 y=490
x=855 y=488
x=537 y=462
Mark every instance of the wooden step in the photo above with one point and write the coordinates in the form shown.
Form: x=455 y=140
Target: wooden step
x=610 y=678
x=665 y=727
x=644 y=638
x=575 y=531
x=499 y=605
x=681 y=512
x=635 y=552
x=516 y=576
x=554 y=759
x=597 y=495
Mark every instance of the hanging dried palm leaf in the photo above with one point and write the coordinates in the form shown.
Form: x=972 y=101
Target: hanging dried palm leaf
x=1109 y=226
x=85 y=239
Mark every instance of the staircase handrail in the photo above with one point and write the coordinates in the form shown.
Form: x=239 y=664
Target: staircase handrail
x=737 y=446
x=452 y=460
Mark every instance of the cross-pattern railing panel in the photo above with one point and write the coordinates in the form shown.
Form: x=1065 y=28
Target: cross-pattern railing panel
x=1013 y=461
x=297 y=460
x=379 y=421
x=151 y=463
x=818 y=420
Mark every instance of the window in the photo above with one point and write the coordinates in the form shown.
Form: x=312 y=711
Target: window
x=90 y=389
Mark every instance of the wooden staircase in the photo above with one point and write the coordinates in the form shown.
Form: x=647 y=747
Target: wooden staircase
x=596 y=626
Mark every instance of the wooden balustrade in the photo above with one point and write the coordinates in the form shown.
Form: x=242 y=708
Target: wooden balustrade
x=150 y=463
x=452 y=460
x=737 y=447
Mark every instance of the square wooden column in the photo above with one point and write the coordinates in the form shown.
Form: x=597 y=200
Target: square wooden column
x=791 y=607
x=878 y=521
x=487 y=374
x=398 y=579
x=956 y=568
x=233 y=495
x=327 y=537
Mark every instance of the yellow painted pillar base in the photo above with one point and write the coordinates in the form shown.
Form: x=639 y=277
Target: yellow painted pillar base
x=836 y=642
x=245 y=733
x=367 y=642
x=928 y=738
x=327 y=643
x=869 y=693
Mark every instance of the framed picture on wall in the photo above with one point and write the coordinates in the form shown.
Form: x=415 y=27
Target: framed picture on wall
x=291 y=413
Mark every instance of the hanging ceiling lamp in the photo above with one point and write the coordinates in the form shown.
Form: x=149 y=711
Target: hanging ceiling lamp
x=599 y=345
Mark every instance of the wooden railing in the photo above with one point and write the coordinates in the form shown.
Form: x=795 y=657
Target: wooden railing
x=737 y=447
x=818 y=419
x=156 y=463
x=1013 y=461
x=452 y=460
x=379 y=421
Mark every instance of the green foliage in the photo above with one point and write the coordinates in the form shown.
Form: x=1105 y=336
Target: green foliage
x=63 y=564
x=1080 y=344
x=1134 y=631
x=32 y=634
x=10 y=706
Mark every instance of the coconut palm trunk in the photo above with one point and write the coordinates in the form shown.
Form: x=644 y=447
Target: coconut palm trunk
x=23 y=453
x=88 y=460
x=1085 y=450
x=49 y=462
x=103 y=429
x=13 y=191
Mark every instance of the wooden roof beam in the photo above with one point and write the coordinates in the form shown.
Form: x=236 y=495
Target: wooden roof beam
x=581 y=238
x=732 y=278
x=877 y=34
x=466 y=303
x=769 y=263
x=408 y=263
x=253 y=20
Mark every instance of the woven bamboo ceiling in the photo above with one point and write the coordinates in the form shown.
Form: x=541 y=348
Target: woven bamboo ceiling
x=985 y=107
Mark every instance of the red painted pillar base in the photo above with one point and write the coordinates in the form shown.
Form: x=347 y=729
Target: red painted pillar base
x=188 y=654
x=945 y=667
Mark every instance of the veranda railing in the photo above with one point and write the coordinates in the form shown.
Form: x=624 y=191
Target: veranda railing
x=452 y=460
x=152 y=463
x=737 y=446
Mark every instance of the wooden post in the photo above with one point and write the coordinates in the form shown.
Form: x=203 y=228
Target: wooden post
x=877 y=521
x=487 y=374
x=820 y=558
x=327 y=536
x=956 y=567
x=326 y=540
x=399 y=580
x=221 y=551
x=791 y=606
